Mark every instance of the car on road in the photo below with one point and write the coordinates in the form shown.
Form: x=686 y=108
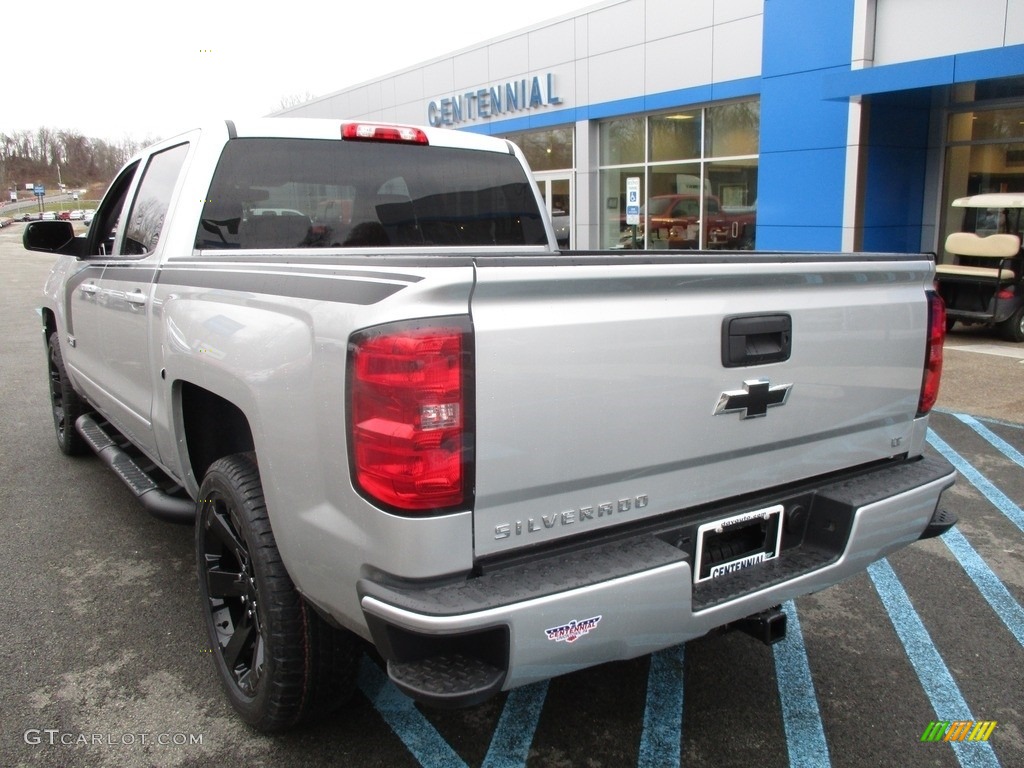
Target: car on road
x=76 y=215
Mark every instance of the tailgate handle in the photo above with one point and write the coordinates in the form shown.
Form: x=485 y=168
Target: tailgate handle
x=756 y=339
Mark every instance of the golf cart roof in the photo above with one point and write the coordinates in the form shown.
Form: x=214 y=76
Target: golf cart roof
x=991 y=200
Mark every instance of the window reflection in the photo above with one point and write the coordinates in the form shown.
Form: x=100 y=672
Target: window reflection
x=614 y=231
x=146 y=219
x=675 y=136
x=984 y=151
x=622 y=141
x=733 y=129
x=698 y=172
x=547 y=150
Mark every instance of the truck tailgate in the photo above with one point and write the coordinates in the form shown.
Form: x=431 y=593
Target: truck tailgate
x=603 y=398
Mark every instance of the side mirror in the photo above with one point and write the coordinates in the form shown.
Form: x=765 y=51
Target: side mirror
x=52 y=237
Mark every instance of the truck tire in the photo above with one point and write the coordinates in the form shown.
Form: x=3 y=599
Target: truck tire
x=65 y=404
x=278 y=660
x=1012 y=327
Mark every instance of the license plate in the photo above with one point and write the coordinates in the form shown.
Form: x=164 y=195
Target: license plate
x=737 y=542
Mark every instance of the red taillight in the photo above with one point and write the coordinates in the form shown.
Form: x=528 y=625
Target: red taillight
x=408 y=414
x=933 y=354
x=372 y=132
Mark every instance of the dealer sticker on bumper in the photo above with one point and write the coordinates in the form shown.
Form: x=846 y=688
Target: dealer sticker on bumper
x=573 y=631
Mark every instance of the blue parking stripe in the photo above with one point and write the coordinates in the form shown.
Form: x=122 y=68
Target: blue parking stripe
x=512 y=738
x=662 y=736
x=1000 y=500
x=992 y=589
x=419 y=736
x=937 y=682
x=805 y=735
x=995 y=440
x=986 y=419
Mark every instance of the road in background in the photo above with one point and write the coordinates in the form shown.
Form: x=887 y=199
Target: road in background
x=105 y=655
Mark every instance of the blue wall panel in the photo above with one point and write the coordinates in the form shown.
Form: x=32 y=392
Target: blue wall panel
x=895 y=173
x=997 y=62
x=800 y=201
x=804 y=35
x=894 y=77
x=801 y=238
x=943 y=70
x=802 y=171
x=795 y=116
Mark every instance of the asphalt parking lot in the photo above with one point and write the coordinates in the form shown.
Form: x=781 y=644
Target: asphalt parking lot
x=104 y=659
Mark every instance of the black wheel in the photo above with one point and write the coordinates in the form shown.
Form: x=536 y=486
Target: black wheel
x=65 y=403
x=1012 y=327
x=279 y=662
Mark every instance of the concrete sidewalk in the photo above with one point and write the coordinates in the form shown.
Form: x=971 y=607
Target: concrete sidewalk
x=982 y=375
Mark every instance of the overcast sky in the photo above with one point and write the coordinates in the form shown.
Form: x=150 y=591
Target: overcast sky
x=114 y=68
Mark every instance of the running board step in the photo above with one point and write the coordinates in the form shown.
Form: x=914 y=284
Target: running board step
x=159 y=503
x=941 y=522
x=447 y=681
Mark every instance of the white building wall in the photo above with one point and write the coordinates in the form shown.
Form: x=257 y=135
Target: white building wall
x=909 y=30
x=610 y=51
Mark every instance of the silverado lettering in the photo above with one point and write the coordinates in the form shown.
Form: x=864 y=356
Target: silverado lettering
x=570 y=516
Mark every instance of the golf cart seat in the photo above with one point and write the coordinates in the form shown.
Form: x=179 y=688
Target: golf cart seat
x=986 y=258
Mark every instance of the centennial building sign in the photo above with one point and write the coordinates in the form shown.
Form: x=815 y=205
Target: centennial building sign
x=493 y=101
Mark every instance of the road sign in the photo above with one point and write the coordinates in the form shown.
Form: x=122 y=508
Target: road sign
x=39 y=190
x=633 y=200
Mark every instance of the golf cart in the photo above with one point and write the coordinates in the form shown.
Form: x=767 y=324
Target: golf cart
x=984 y=281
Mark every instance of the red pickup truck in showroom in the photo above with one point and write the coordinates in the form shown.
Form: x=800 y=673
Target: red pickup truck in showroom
x=673 y=221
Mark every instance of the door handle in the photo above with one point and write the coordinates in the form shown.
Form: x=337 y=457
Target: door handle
x=89 y=288
x=756 y=340
x=136 y=297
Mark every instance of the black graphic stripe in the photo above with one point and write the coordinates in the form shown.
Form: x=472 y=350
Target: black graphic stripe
x=314 y=287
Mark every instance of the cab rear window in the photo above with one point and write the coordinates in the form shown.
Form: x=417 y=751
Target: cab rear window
x=302 y=193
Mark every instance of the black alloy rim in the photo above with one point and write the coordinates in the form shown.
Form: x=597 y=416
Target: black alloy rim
x=57 y=396
x=234 y=601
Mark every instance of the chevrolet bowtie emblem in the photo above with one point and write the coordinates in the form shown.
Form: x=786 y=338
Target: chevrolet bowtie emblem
x=754 y=400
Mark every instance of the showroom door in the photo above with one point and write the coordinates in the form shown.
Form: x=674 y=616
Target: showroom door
x=556 y=189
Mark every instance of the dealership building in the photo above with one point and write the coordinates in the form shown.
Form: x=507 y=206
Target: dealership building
x=839 y=125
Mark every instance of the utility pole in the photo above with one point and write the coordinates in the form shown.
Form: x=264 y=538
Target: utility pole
x=60 y=188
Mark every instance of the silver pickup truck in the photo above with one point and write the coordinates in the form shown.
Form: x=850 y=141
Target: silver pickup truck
x=352 y=356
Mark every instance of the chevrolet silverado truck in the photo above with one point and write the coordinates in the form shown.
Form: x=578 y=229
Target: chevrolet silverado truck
x=353 y=358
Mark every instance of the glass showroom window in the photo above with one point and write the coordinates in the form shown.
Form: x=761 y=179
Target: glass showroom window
x=984 y=150
x=698 y=174
x=622 y=145
x=546 y=150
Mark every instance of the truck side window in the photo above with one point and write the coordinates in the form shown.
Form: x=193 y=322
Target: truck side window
x=104 y=224
x=152 y=200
